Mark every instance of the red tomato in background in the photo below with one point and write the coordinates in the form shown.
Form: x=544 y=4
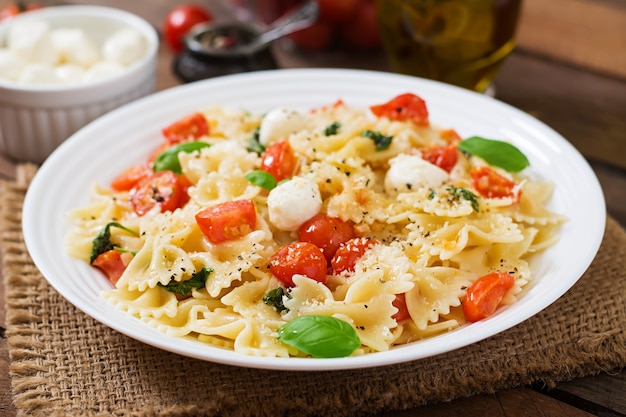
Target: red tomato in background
x=301 y=258
x=16 y=8
x=485 y=294
x=189 y=128
x=279 y=160
x=445 y=157
x=113 y=263
x=327 y=233
x=352 y=23
x=403 y=107
x=180 y=20
x=227 y=221
x=361 y=29
x=338 y=11
x=349 y=253
x=317 y=37
x=490 y=184
x=161 y=189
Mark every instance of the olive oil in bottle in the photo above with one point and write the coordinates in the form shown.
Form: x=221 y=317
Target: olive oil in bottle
x=460 y=42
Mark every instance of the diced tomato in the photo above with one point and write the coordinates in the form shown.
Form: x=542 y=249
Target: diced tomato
x=337 y=104
x=349 y=253
x=301 y=258
x=445 y=157
x=279 y=160
x=327 y=233
x=450 y=135
x=188 y=128
x=184 y=185
x=113 y=263
x=485 y=295
x=227 y=221
x=403 y=311
x=490 y=184
x=161 y=189
x=404 y=107
x=131 y=177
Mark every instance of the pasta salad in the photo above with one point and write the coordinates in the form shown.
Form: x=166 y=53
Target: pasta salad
x=330 y=232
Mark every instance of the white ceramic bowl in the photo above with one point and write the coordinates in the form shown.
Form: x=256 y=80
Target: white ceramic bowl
x=35 y=119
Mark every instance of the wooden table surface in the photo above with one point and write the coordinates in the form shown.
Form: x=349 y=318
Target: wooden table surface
x=569 y=71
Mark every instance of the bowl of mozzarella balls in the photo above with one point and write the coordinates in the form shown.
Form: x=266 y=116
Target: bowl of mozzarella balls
x=62 y=67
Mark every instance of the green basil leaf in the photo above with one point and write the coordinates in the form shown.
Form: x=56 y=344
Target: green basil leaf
x=332 y=129
x=320 y=336
x=197 y=280
x=261 y=179
x=168 y=160
x=381 y=141
x=102 y=242
x=497 y=153
x=464 y=193
x=274 y=298
x=253 y=143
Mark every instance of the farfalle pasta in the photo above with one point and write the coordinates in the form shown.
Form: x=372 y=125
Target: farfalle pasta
x=242 y=223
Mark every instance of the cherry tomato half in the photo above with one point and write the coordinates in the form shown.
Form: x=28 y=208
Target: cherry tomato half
x=113 y=263
x=301 y=258
x=161 y=189
x=189 y=128
x=490 y=184
x=227 y=221
x=327 y=233
x=445 y=157
x=403 y=107
x=180 y=20
x=128 y=179
x=349 y=253
x=279 y=160
x=485 y=294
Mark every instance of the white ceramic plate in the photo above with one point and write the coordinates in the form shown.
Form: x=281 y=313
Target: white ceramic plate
x=123 y=137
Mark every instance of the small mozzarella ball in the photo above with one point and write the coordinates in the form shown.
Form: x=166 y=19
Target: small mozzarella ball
x=124 y=47
x=38 y=74
x=30 y=41
x=293 y=202
x=10 y=65
x=75 y=46
x=279 y=123
x=410 y=172
x=70 y=73
x=102 y=70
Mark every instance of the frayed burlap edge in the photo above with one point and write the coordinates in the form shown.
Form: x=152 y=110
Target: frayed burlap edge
x=63 y=363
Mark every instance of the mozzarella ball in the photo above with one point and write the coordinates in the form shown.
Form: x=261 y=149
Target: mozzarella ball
x=279 y=123
x=124 y=47
x=410 y=172
x=75 y=47
x=293 y=202
x=10 y=65
x=70 y=73
x=38 y=74
x=31 y=42
x=102 y=70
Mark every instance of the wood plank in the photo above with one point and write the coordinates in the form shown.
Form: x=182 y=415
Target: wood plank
x=586 y=108
x=603 y=394
x=589 y=33
x=522 y=402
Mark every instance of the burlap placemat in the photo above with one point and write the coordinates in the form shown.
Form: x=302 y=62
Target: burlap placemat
x=65 y=363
